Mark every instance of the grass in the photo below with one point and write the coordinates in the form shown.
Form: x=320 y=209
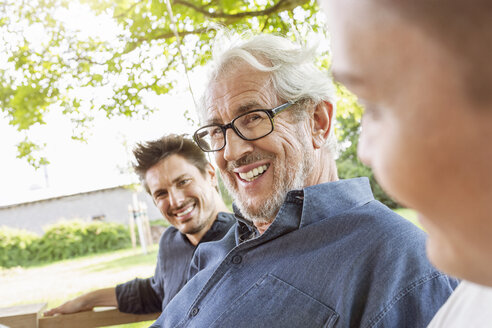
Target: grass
x=125 y=262
x=60 y=281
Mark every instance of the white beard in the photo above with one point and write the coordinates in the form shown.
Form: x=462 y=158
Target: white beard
x=287 y=178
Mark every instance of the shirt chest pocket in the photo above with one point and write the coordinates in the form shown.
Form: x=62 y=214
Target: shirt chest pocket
x=271 y=302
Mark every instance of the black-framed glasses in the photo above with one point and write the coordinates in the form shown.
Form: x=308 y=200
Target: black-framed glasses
x=250 y=126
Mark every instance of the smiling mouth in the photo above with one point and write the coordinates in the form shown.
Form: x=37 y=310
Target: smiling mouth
x=254 y=173
x=184 y=210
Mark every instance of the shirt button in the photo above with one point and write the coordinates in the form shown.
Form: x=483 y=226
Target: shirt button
x=194 y=311
x=236 y=259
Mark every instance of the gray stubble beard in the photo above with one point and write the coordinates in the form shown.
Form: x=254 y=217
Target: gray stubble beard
x=267 y=213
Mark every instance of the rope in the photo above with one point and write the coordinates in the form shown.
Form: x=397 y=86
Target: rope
x=174 y=28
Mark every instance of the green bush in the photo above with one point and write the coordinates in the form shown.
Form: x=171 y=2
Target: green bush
x=75 y=238
x=15 y=246
x=61 y=241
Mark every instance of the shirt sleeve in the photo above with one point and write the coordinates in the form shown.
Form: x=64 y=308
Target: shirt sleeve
x=139 y=296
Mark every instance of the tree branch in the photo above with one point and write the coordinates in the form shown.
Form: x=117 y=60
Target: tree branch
x=166 y=35
x=279 y=6
x=265 y=24
x=181 y=34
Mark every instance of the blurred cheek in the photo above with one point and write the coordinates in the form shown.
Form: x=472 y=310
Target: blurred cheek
x=439 y=249
x=162 y=207
x=365 y=146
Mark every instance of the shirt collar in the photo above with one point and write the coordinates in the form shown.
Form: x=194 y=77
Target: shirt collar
x=245 y=229
x=222 y=222
x=312 y=204
x=330 y=199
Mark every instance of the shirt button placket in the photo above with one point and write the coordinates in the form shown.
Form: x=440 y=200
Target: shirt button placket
x=194 y=311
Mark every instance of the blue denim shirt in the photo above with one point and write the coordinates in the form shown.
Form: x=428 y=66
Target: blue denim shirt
x=333 y=257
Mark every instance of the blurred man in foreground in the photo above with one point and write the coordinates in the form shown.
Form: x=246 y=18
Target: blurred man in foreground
x=423 y=71
x=183 y=185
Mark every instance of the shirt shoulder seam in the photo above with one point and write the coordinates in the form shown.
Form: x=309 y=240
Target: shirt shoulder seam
x=404 y=292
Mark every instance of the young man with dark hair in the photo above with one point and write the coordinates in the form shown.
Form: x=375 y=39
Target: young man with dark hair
x=183 y=185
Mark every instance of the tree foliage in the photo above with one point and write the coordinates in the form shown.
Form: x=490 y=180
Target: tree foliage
x=51 y=63
x=51 y=60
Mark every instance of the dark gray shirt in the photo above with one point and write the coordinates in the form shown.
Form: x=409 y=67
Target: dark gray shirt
x=173 y=260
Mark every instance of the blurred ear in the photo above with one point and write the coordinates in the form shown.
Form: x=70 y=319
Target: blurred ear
x=210 y=173
x=321 y=123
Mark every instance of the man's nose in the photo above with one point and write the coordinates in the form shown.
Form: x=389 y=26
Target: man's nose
x=176 y=198
x=235 y=147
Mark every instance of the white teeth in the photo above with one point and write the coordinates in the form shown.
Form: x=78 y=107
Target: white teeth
x=254 y=173
x=188 y=210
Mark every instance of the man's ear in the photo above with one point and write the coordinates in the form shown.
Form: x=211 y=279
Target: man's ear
x=321 y=123
x=211 y=174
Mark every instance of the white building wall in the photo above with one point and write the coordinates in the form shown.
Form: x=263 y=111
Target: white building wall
x=110 y=203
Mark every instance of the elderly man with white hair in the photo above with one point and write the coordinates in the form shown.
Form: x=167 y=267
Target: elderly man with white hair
x=308 y=250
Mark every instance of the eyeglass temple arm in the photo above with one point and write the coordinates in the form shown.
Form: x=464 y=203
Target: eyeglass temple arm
x=201 y=134
x=280 y=108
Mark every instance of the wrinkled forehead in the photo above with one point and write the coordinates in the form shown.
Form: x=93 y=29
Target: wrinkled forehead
x=235 y=92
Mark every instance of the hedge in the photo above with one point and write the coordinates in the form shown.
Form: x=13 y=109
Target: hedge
x=61 y=241
x=15 y=246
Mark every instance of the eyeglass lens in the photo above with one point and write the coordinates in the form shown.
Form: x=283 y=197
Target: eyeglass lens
x=250 y=126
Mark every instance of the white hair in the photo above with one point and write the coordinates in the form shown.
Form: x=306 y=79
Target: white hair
x=291 y=65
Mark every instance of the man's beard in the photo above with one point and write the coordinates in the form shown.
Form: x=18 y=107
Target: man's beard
x=287 y=177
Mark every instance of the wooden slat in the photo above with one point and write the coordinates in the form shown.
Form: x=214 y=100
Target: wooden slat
x=87 y=319
x=21 y=316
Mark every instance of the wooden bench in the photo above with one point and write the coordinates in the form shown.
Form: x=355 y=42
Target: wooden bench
x=21 y=316
x=30 y=316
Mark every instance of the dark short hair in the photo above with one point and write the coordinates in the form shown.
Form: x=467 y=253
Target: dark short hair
x=148 y=154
